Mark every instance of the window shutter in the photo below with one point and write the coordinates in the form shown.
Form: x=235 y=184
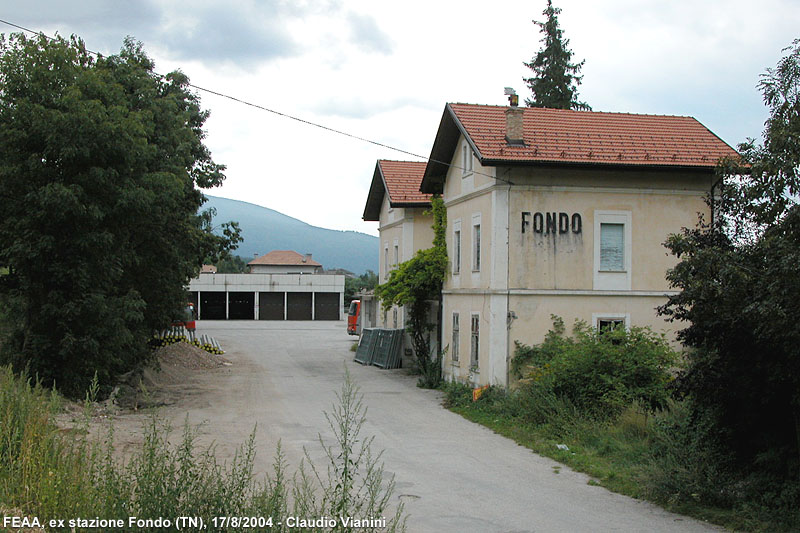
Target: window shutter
x=612 y=247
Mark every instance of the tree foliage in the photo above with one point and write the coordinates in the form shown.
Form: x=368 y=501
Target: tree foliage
x=414 y=284
x=365 y=282
x=555 y=77
x=232 y=264
x=740 y=296
x=101 y=161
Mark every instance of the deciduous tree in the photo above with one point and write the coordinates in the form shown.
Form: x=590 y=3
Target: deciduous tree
x=101 y=165
x=740 y=296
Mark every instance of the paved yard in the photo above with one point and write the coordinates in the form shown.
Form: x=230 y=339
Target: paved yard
x=453 y=475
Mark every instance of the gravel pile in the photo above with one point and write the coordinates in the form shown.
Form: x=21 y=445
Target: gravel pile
x=167 y=379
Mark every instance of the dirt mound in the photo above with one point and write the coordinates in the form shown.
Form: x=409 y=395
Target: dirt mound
x=187 y=356
x=168 y=378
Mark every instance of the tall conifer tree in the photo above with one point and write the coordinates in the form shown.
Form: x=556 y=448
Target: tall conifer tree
x=555 y=80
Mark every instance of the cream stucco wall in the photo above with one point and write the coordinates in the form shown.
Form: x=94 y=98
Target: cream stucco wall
x=534 y=313
x=410 y=229
x=565 y=260
x=531 y=274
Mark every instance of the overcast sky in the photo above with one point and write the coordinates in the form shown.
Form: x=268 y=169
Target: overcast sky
x=384 y=71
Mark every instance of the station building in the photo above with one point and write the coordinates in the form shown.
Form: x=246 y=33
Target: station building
x=404 y=225
x=558 y=212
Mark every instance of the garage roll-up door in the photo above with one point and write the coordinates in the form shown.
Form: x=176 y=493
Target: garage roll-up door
x=270 y=305
x=298 y=306
x=326 y=306
x=212 y=306
x=241 y=305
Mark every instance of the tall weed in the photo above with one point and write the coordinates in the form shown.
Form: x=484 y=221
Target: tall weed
x=52 y=474
x=354 y=485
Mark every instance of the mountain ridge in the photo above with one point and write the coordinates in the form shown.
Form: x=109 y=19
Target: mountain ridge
x=265 y=229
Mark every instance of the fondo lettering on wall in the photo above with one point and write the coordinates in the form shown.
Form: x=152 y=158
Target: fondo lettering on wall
x=551 y=223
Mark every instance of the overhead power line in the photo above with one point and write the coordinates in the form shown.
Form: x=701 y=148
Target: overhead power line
x=288 y=116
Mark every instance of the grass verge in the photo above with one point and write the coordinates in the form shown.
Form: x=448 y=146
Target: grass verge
x=615 y=453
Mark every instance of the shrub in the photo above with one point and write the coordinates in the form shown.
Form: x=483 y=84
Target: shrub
x=690 y=463
x=600 y=373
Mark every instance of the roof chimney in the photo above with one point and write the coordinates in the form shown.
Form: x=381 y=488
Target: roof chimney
x=307 y=258
x=514 y=129
x=513 y=99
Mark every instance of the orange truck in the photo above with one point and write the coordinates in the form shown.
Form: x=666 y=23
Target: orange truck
x=354 y=318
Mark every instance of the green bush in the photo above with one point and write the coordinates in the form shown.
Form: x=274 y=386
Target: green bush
x=685 y=464
x=690 y=464
x=529 y=406
x=600 y=373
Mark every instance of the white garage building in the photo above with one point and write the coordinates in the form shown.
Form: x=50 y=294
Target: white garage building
x=268 y=296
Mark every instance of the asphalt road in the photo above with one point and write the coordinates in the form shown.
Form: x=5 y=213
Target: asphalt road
x=453 y=475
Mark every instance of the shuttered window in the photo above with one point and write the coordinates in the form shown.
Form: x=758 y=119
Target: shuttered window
x=612 y=247
x=457 y=252
x=474 y=341
x=476 y=247
x=466 y=162
x=456 y=333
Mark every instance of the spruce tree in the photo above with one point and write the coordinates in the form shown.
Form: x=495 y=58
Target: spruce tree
x=556 y=79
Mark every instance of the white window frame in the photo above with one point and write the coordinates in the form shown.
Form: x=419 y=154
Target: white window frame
x=396 y=253
x=456 y=334
x=385 y=260
x=394 y=318
x=457 y=245
x=625 y=318
x=466 y=159
x=613 y=280
x=476 y=245
x=475 y=341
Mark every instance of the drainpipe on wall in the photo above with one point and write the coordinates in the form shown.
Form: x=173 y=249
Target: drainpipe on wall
x=509 y=312
x=713 y=205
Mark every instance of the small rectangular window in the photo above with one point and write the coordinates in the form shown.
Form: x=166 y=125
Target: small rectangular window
x=466 y=159
x=612 y=247
x=456 y=333
x=474 y=341
x=476 y=247
x=386 y=262
x=396 y=255
x=457 y=252
x=394 y=318
x=609 y=324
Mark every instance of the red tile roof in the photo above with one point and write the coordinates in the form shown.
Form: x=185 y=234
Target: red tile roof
x=283 y=257
x=566 y=136
x=402 y=180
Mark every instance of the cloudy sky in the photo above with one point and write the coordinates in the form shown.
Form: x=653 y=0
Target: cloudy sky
x=384 y=71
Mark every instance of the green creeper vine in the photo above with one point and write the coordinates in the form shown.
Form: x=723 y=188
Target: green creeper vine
x=413 y=285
